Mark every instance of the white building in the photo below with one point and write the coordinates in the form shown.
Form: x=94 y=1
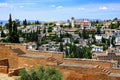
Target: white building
x=97 y=48
x=117 y=41
x=32 y=46
x=66 y=40
x=98 y=38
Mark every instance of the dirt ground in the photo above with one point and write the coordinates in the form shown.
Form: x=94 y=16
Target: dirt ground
x=5 y=77
x=86 y=75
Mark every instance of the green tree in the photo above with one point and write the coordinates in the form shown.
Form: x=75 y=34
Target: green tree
x=50 y=29
x=3 y=34
x=25 y=23
x=33 y=75
x=44 y=30
x=84 y=34
x=24 y=75
x=79 y=52
x=103 y=40
x=1 y=24
x=37 y=22
x=80 y=35
x=61 y=46
x=53 y=74
x=40 y=74
x=66 y=51
x=98 y=30
x=114 y=26
x=10 y=28
x=13 y=36
x=113 y=41
x=76 y=41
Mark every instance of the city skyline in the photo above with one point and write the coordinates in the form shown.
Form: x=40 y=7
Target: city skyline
x=55 y=10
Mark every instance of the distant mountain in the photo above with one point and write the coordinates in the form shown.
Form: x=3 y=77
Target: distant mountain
x=92 y=20
x=6 y=21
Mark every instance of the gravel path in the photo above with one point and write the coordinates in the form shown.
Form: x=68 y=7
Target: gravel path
x=115 y=74
x=77 y=65
x=32 y=56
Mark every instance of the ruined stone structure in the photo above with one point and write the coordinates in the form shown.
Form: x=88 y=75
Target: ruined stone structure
x=13 y=57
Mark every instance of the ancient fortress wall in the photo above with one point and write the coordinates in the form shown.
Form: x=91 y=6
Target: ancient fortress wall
x=11 y=61
x=30 y=62
x=91 y=62
x=4 y=65
x=15 y=61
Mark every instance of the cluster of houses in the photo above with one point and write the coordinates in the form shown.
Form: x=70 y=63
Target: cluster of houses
x=112 y=53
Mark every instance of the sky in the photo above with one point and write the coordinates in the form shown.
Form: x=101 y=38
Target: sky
x=55 y=10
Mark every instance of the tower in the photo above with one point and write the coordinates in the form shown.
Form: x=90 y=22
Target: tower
x=72 y=22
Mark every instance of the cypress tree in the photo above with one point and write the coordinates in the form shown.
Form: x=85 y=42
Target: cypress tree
x=2 y=34
x=13 y=35
x=10 y=28
x=10 y=24
x=61 y=46
x=25 y=23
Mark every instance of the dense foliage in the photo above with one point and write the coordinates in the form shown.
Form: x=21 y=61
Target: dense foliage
x=40 y=74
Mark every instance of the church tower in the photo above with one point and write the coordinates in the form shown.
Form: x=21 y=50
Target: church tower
x=72 y=22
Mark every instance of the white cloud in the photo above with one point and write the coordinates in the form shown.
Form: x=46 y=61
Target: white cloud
x=59 y=7
x=103 y=8
x=53 y=6
x=3 y=5
x=21 y=6
x=6 y=5
x=81 y=8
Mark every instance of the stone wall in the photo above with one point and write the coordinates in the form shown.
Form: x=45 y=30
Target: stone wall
x=4 y=69
x=20 y=46
x=4 y=62
x=73 y=73
x=80 y=61
x=10 y=59
x=14 y=72
x=4 y=66
x=30 y=62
